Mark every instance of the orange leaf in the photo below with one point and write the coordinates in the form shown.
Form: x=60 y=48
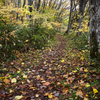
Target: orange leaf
x=7 y=81
x=46 y=94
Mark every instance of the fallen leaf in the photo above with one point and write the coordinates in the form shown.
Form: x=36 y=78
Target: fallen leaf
x=57 y=94
x=74 y=71
x=7 y=81
x=65 y=76
x=18 y=97
x=28 y=81
x=81 y=69
x=65 y=91
x=95 y=90
x=79 y=93
x=62 y=60
x=24 y=76
x=43 y=81
x=26 y=40
x=32 y=87
x=37 y=95
x=85 y=75
x=18 y=71
x=85 y=70
x=87 y=85
x=13 y=80
x=50 y=96
x=46 y=94
x=22 y=63
x=56 y=98
x=11 y=91
x=86 y=98
x=44 y=62
x=46 y=83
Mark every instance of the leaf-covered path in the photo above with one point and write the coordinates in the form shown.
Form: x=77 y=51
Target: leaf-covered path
x=49 y=74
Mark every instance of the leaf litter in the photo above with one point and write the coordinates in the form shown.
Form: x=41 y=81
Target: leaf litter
x=54 y=73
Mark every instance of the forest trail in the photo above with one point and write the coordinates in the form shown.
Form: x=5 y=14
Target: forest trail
x=48 y=74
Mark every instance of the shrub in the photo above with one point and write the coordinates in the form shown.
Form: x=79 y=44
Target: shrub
x=6 y=38
x=22 y=38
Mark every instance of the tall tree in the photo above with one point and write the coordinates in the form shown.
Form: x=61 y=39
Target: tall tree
x=69 y=24
x=82 y=4
x=94 y=28
x=38 y=4
x=30 y=3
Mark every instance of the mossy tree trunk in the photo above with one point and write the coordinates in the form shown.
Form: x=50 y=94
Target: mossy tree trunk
x=94 y=29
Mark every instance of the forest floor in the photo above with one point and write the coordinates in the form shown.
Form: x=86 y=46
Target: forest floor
x=58 y=72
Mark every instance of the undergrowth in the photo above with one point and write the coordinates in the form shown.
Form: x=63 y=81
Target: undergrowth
x=21 y=38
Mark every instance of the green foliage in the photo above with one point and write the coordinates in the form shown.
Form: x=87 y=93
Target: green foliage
x=79 y=42
x=23 y=38
x=6 y=38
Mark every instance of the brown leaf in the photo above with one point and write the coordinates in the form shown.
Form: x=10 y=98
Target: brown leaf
x=56 y=98
x=46 y=83
x=79 y=93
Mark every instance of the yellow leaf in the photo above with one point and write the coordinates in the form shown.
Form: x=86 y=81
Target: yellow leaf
x=37 y=95
x=74 y=71
x=13 y=80
x=26 y=41
x=50 y=96
x=62 y=60
x=28 y=81
x=85 y=75
x=32 y=87
x=38 y=77
x=0 y=45
x=85 y=70
x=22 y=91
x=44 y=62
x=22 y=63
x=43 y=81
x=7 y=81
x=82 y=58
x=86 y=95
x=18 y=71
x=11 y=91
x=65 y=91
x=87 y=85
x=24 y=76
x=76 y=97
x=1 y=78
x=95 y=90
x=18 y=97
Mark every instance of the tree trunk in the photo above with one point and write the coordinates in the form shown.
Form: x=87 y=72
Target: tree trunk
x=69 y=24
x=94 y=29
x=24 y=3
x=38 y=5
x=30 y=2
x=82 y=4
